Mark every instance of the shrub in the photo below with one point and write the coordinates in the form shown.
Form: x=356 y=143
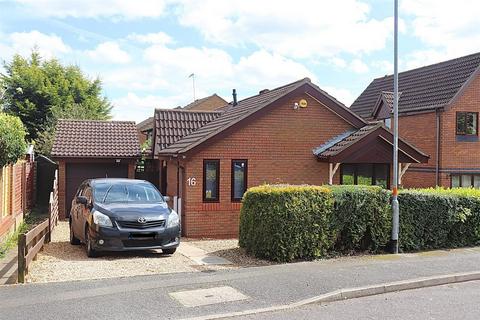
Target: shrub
x=12 y=139
x=439 y=218
x=283 y=223
x=361 y=218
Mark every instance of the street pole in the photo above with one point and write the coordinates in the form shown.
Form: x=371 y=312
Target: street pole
x=395 y=204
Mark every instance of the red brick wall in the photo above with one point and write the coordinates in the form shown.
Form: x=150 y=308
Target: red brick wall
x=420 y=130
x=278 y=146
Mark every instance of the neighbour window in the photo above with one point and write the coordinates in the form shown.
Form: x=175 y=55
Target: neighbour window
x=239 y=179
x=365 y=174
x=211 y=180
x=467 y=123
x=465 y=181
x=388 y=123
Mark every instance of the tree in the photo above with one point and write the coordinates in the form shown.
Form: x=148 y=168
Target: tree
x=39 y=91
x=12 y=139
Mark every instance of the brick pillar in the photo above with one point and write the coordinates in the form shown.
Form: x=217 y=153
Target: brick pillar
x=131 y=170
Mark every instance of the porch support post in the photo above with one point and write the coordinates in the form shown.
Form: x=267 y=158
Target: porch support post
x=402 y=171
x=331 y=172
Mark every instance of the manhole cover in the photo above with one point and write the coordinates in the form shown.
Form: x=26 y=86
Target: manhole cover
x=202 y=297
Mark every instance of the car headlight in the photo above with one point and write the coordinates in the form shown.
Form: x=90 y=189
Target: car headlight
x=173 y=219
x=101 y=220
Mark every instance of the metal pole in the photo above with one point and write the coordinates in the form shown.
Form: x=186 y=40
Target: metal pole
x=395 y=204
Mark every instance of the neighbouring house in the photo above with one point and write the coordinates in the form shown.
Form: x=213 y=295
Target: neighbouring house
x=92 y=149
x=296 y=134
x=210 y=103
x=438 y=112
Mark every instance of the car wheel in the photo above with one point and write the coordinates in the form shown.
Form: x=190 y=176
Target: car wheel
x=91 y=253
x=169 y=251
x=73 y=240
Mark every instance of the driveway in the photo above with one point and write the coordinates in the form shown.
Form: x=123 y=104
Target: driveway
x=61 y=261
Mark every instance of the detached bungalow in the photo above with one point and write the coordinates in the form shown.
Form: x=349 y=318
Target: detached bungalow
x=296 y=134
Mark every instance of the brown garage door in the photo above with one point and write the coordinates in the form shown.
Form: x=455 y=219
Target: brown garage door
x=76 y=173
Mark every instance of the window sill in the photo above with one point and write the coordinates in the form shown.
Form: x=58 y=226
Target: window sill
x=467 y=138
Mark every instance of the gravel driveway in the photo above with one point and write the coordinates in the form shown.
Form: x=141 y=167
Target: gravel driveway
x=61 y=261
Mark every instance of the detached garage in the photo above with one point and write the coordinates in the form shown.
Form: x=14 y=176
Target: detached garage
x=86 y=149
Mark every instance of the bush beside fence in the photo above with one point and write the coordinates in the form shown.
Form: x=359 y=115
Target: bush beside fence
x=283 y=223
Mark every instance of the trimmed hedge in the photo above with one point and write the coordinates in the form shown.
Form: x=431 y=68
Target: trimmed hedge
x=283 y=223
x=361 y=219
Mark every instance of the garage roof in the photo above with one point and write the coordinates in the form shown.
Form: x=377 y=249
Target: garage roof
x=95 y=139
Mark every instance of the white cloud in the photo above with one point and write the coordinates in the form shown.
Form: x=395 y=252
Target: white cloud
x=342 y=95
x=338 y=62
x=109 y=52
x=151 y=38
x=299 y=29
x=358 y=66
x=119 y=9
x=48 y=45
x=448 y=29
x=382 y=66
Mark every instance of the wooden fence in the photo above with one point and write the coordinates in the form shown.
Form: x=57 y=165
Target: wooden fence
x=30 y=243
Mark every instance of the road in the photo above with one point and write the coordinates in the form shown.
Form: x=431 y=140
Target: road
x=150 y=297
x=454 y=301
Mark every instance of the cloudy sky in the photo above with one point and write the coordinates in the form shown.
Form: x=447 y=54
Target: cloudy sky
x=144 y=50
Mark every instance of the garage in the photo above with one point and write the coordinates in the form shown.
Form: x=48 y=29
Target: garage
x=87 y=149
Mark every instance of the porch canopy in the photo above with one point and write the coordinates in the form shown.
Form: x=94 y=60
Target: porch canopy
x=372 y=144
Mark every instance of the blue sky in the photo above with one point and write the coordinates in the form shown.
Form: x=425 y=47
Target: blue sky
x=144 y=50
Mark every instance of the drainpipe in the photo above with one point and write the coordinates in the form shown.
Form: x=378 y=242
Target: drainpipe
x=437 y=148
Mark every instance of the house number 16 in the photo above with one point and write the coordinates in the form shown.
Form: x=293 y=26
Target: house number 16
x=192 y=182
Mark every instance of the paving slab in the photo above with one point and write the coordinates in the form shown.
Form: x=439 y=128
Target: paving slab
x=200 y=256
x=8 y=267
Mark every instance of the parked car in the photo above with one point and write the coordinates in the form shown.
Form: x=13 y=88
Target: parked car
x=122 y=215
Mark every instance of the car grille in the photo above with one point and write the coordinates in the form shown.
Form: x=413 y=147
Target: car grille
x=138 y=225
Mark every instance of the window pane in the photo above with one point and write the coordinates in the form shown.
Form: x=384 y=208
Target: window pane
x=211 y=180
x=455 y=181
x=347 y=174
x=388 y=123
x=471 y=127
x=461 y=123
x=239 y=181
x=364 y=174
x=476 y=181
x=381 y=174
x=466 y=180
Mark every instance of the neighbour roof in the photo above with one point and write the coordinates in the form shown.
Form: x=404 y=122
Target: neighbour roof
x=350 y=141
x=95 y=139
x=173 y=124
x=209 y=103
x=247 y=107
x=145 y=125
x=425 y=88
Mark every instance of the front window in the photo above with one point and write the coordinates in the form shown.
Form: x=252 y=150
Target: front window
x=211 y=180
x=365 y=174
x=467 y=123
x=239 y=179
x=465 y=181
x=113 y=192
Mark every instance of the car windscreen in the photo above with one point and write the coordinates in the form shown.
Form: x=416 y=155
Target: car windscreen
x=126 y=192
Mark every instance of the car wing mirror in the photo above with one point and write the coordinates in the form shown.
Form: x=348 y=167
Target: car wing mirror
x=82 y=200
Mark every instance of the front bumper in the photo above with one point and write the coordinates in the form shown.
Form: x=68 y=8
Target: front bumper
x=115 y=239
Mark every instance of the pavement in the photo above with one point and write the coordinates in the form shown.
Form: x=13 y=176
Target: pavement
x=453 y=301
x=153 y=297
x=8 y=267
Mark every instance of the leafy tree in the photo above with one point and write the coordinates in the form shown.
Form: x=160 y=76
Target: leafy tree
x=12 y=139
x=41 y=91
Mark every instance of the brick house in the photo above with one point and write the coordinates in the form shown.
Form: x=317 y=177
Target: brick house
x=87 y=149
x=296 y=134
x=438 y=112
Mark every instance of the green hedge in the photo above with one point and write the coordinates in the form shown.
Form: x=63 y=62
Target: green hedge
x=361 y=219
x=283 y=223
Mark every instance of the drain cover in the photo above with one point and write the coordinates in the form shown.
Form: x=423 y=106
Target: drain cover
x=202 y=297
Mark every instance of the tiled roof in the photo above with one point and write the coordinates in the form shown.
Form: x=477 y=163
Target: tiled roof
x=209 y=103
x=343 y=141
x=425 y=88
x=230 y=116
x=95 y=139
x=145 y=125
x=173 y=124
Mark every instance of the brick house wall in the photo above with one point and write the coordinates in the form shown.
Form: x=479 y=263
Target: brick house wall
x=287 y=158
